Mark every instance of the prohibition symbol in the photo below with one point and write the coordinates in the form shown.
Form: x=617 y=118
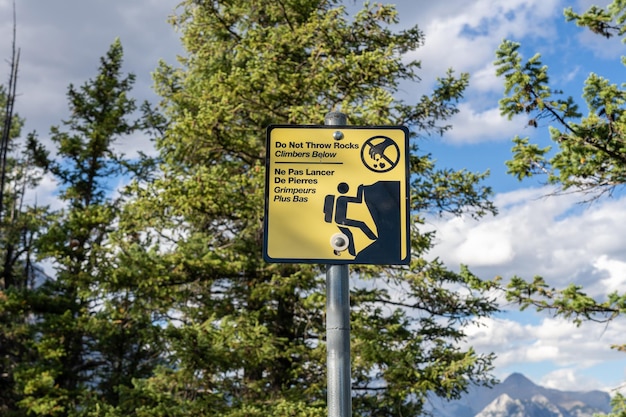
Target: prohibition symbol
x=380 y=154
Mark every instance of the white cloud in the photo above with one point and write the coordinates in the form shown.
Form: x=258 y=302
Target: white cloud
x=569 y=379
x=570 y=75
x=464 y=35
x=46 y=194
x=565 y=242
x=63 y=44
x=615 y=280
x=491 y=332
x=554 y=237
x=485 y=80
x=473 y=126
x=486 y=246
x=573 y=350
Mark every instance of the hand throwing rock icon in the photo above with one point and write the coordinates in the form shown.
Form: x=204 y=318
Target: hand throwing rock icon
x=380 y=154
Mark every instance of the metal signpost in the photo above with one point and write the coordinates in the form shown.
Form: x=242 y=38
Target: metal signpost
x=337 y=195
x=339 y=392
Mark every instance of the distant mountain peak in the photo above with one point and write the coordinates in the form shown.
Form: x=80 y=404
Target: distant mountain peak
x=518 y=386
x=537 y=406
x=518 y=379
x=518 y=396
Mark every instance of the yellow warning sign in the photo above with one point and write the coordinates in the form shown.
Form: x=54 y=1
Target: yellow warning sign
x=337 y=194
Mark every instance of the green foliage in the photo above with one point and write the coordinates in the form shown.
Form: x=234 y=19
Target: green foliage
x=588 y=155
x=93 y=334
x=606 y=22
x=19 y=227
x=570 y=302
x=619 y=406
x=446 y=190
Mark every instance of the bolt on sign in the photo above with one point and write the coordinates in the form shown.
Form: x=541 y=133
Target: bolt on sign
x=337 y=195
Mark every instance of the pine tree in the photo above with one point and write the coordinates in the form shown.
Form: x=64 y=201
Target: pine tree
x=246 y=338
x=93 y=335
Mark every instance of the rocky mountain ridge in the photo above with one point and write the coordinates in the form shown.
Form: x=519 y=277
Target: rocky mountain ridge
x=517 y=396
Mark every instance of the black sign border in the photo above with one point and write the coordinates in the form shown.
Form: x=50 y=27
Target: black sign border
x=269 y=259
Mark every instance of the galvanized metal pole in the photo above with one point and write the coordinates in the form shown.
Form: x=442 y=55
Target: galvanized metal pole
x=339 y=394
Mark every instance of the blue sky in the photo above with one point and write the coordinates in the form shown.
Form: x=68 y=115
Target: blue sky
x=558 y=238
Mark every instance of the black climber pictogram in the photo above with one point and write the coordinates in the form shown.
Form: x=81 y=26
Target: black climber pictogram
x=382 y=200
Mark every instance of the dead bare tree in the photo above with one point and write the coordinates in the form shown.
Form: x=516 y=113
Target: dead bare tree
x=8 y=113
